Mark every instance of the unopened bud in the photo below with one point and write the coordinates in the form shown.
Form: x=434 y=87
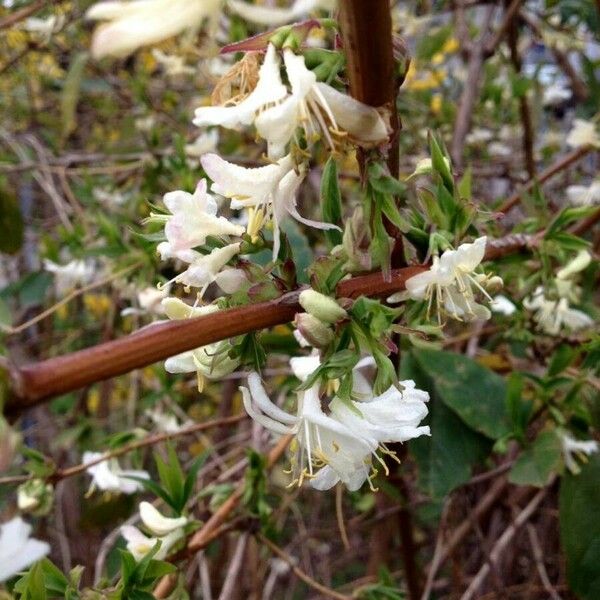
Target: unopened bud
x=314 y=331
x=323 y=307
x=495 y=284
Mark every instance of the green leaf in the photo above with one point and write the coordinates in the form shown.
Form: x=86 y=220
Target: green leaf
x=70 y=93
x=465 y=184
x=439 y=164
x=476 y=394
x=447 y=457
x=538 y=462
x=11 y=222
x=566 y=217
x=579 y=521
x=331 y=202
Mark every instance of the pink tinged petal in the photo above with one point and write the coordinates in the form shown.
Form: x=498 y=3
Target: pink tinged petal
x=362 y=122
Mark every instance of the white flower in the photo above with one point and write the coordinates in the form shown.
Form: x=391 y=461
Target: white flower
x=268 y=89
x=556 y=93
x=209 y=362
x=450 y=281
x=316 y=107
x=203 y=269
x=582 y=195
x=44 y=27
x=204 y=143
x=138 y=23
x=114 y=198
x=321 y=441
x=319 y=109
x=139 y=544
x=502 y=305
x=173 y=65
x=572 y=448
x=553 y=315
x=17 y=550
x=149 y=300
x=270 y=15
x=109 y=477
x=583 y=133
x=578 y=264
x=194 y=218
x=69 y=276
x=271 y=189
x=156 y=522
x=394 y=416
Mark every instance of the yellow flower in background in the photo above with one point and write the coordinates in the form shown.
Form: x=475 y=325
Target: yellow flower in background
x=436 y=104
x=97 y=304
x=450 y=46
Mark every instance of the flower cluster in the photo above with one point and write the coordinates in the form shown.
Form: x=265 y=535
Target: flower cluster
x=344 y=445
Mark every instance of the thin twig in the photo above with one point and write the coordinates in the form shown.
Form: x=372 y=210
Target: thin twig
x=539 y=562
x=503 y=542
x=283 y=555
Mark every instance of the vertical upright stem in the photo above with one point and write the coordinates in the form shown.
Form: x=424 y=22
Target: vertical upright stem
x=366 y=29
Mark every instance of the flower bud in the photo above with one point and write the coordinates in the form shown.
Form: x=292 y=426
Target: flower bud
x=495 y=284
x=314 y=331
x=323 y=307
x=35 y=497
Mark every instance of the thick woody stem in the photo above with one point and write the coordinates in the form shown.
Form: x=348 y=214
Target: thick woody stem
x=36 y=382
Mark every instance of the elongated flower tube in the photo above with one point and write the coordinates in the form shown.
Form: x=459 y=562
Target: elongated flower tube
x=271 y=189
x=18 y=550
x=139 y=544
x=131 y=25
x=156 y=522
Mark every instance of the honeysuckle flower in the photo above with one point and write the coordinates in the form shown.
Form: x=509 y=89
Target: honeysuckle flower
x=194 y=218
x=583 y=133
x=321 y=442
x=17 y=549
x=499 y=149
x=173 y=65
x=149 y=301
x=208 y=362
x=269 y=89
x=572 y=448
x=502 y=305
x=139 y=544
x=584 y=195
x=69 y=276
x=131 y=25
x=320 y=110
x=271 y=190
x=108 y=475
x=553 y=315
x=322 y=307
x=164 y=422
x=314 y=106
x=156 y=522
x=313 y=330
x=273 y=16
x=450 y=281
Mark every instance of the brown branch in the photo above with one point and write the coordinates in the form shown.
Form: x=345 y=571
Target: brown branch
x=552 y=170
x=323 y=590
x=36 y=382
x=19 y=15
